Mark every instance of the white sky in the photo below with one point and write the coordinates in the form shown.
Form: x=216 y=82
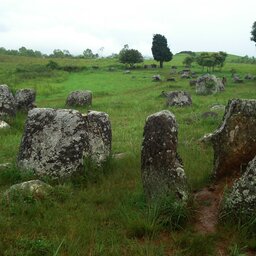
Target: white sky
x=197 y=25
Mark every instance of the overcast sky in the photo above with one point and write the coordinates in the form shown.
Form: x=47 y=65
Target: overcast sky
x=197 y=25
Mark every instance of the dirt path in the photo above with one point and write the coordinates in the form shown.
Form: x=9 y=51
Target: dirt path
x=207 y=202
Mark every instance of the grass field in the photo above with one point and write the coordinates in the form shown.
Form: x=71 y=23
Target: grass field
x=105 y=213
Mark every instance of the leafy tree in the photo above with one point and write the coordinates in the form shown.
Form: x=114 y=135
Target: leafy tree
x=88 y=54
x=160 y=49
x=253 y=32
x=130 y=56
x=212 y=60
x=188 y=61
x=57 y=53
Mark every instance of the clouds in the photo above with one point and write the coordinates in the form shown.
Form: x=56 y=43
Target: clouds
x=188 y=25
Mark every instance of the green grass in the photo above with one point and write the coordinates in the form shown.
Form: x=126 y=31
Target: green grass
x=104 y=212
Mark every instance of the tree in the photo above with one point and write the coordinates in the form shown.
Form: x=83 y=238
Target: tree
x=88 y=54
x=188 y=61
x=130 y=56
x=160 y=49
x=212 y=60
x=253 y=32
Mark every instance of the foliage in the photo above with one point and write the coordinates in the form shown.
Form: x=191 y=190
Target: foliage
x=253 y=32
x=245 y=59
x=130 y=56
x=211 y=60
x=188 y=61
x=160 y=49
x=88 y=54
x=52 y=65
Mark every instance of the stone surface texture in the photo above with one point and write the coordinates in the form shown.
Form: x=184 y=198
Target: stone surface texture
x=234 y=142
x=209 y=84
x=161 y=169
x=178 y=98
x=242 y=197
x=99 y=136
x=4 y=125
x=25 y=99
x=79 y=98
x=35 y=188
x=53 y=142
x=7 y=102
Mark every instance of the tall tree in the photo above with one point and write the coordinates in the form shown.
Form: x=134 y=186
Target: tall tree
x=253 y=32
x=160 y=49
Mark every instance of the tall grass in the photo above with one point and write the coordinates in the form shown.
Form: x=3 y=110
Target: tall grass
x=104 y=212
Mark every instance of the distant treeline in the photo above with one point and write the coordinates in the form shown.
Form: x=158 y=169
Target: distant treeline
x=245 y=59
x=187 y=52
x=57 y=53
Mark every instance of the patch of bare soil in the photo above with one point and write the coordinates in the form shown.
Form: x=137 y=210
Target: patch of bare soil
x=207 y=202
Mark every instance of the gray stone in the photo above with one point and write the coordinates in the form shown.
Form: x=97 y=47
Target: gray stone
x=237 y=79
x=5 y=166
x=99 y=136
x=217 y=107
x=7 y=102
x=161 y=169
x=234 y=142
x=242 y=197
x=35 y=188
x=79 y=98
x=178 y=98
x=25 y=99
x=156 y=78
x=209 y=84
x=4 y=125
x=185 y=75
x=53 y=142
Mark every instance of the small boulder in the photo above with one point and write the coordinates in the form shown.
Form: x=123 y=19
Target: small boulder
x=35 y=188
x=242 y=197
x=209 y=84
x=156 y=78
x=25 y=99
x=234 y=141
x=161 y=169
x=79 y=98
x=4 y=125
x=7 y=102
x=217 y=107
x=237 y=79
x=178 y=98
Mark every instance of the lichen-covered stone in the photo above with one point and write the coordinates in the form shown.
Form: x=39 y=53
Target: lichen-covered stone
x=35 y=188
x=99 y=136
x=7 y=102
x=53 y=142
x=242 y=197
x=234 y=142
x=79 y=98
x=25 y=99
x=161 y=170
x=4 y=125
x=209 y=84
x=178 y=98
